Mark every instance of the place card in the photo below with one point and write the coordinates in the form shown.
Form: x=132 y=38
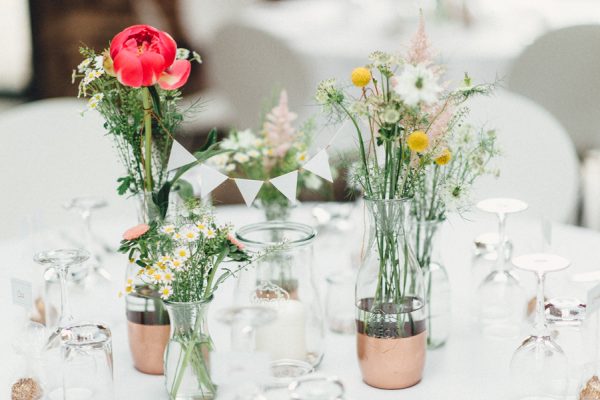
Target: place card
x=21 y=293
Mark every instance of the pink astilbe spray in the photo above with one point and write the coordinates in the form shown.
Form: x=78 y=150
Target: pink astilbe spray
x=278 y=130
x=439 y=128
x=419 y=51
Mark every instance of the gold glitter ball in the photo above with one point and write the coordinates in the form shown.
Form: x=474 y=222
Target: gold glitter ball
x=26 y=389
x=591 y=391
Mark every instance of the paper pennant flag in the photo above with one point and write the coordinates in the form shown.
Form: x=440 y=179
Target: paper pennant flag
x=287 y=184
x=179 y=156
x=319 y=165
x=210 y=178
x=249 y=189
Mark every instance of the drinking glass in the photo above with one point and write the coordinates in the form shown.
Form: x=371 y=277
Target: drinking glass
x=242 y=372
x=86 y=363
x=84 y=207
x=539 y=368
x=339 y=302
x=499 y=295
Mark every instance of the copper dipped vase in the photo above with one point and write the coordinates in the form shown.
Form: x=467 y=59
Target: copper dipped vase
x=390 y=307
x=148 y=330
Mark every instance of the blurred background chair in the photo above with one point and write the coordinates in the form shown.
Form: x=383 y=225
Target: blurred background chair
x=250 y=66
x=50 y=154
x=560 y=71
x=538 y=163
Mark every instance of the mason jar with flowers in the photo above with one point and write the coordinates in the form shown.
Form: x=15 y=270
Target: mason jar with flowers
x=397 y=103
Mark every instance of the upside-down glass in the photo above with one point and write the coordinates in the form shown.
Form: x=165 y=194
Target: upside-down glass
x=500 y=297
x=539 y=367
x=283 y=281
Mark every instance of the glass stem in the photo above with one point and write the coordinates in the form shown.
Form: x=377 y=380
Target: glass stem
x=501 y=258
x=87 y=227
x=540 y=310
x=65 y=307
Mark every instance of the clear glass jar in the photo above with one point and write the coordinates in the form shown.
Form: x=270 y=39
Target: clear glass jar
x=283 y=280
x=390 y=301
x=426 y=243
x=187 y=372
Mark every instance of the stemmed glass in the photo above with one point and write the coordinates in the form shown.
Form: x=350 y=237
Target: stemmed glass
x=539 y=368
x=84 y=207
x=61 y=261
x=240 y=373
x=500 y=297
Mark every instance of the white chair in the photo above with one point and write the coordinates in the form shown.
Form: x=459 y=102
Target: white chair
x=560 y=71
x=250 y=66
x=50 y=153
x=538 y=165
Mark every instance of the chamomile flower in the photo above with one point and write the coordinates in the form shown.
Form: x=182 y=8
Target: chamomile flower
x=83 y=66
x=202 y=226
x=301 y=157
x=190 y=233
x=177 y=235
x=159 y=265
x=164 y=259
x=99 y=62
x=177 y=263
x=182 y=252
x=157 y=277
x=95 y=100
x=168 y=277
x=168 y=229
x=91 y=75
x=150 y=271
x=166 y=292
x=241 y=158
x=210 y=233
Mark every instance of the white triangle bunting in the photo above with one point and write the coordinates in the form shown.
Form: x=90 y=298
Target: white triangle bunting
x=179 y=156
x=249 y=189
x=319 y=165
x=287 y=184
x=210 y=178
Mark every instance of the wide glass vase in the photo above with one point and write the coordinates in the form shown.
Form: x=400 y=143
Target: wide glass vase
x=283 y=280
x=426 y=244
x=187 y=372
x=390 y=301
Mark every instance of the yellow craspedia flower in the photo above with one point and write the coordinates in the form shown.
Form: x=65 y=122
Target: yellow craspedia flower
x=418 y=141
x=444 y=158
x=361 y=76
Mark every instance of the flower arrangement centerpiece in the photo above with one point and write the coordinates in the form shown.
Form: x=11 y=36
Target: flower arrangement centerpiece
x=277 y=149
x=135 y=86
x=402 y=114
x=182 y=260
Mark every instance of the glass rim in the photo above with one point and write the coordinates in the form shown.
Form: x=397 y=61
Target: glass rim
x=400 y=200
x=187 y=303
x=309 y=233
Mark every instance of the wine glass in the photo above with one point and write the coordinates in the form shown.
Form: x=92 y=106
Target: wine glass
x=539 y=368
x=241 y=372
x=500 y=298
x=62 y=260
x=84 y=207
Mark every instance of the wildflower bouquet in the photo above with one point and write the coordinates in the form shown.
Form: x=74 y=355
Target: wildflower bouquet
x=279 y=148
x=135 y=86
x=181 y=260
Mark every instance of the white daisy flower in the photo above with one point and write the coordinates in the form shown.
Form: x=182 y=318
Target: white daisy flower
x=84 y=65
x=166 y=292
x=177 y=235
x=241 y=158
x=168 y=277
x=190 y=235
x=202 y=226
x=210 y=233
x=182 y=253
x=253 y=154
x=301 y=157
x=99 y=62
x=177 y=263
x=157 y=277
x=416 y=84
x=168 y=229
x=164 y=259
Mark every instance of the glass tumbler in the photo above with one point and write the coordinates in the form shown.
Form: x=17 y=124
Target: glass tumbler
x=339 y=302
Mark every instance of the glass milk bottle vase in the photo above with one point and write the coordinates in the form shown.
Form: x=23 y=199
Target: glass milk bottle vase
x=187 y=372
x=390 y=305
x=283 y=281
x=426 y=244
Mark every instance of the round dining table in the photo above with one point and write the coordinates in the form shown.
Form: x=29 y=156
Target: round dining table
x=468 y=366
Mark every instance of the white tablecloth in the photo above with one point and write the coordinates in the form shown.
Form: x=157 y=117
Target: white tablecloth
x=469 y=366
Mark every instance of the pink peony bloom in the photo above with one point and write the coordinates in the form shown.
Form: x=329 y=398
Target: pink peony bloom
x=234 y=241
x=135 y=232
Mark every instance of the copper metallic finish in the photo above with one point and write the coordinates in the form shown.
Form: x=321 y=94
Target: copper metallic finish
x=147 y=344
x=388 y=363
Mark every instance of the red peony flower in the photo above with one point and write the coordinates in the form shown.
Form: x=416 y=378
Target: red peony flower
x=143 y=56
